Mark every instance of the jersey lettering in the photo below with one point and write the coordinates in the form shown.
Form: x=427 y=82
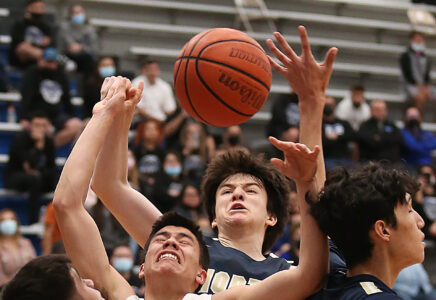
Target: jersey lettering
x=237 y=281
x=370 y=288
x=220 y=282
x=206 y=285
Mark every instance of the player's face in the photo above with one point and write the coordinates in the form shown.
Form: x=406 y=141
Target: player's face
x=241 y=199
x=85 y=287
x=407 y=237
x=175 y=253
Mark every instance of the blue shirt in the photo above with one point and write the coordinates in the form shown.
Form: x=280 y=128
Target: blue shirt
x=417 y=150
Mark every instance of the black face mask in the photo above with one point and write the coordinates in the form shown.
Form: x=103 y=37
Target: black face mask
x=36 y=17
x=233 y=139
x=413 y=124
x=328 y=110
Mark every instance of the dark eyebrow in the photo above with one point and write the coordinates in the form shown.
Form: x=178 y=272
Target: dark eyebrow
x=162 y=233
x=166 y=234
x=183 y=235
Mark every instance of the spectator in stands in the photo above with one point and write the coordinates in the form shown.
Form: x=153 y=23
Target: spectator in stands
x=106 y=67
x=173 y=127
x=337 y=136
x=30 y=35
x=51 y=230
x=232 y=139
x=15 y=250
x=285 y=113
x=291 y=134
x=78 y=40
x=191 y=206
x=415 y=71
x=45 y=87
x=132 y=170
x=170 y=182
x=424 y=202
x=354 y=108
x=31 y=166
x=417 y=143
x=50 y=277
x=413 y=283
x=379 y=138
x=157 y=100
x=121 y=259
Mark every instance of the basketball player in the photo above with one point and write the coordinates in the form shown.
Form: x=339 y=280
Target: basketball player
x=368 y=214
x=237 y=256
x=174 y=265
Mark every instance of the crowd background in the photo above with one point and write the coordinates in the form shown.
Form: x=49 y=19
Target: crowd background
x=56 y=56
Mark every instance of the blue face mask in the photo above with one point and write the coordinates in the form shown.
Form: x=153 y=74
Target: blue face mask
x=173 y=170
x=8 y=227
x=106 y=71
x=78 y=18
x=123 y=264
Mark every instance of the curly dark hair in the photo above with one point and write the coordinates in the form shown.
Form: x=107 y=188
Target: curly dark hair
x=174 y=219
x=353 y=200
x=275 y=183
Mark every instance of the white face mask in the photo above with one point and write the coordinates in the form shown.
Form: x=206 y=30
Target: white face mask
x=418 y=47
x=8 y=227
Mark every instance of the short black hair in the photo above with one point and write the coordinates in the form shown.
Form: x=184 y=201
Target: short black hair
x=148 y=61
x=29 y=2
x=353 y=200
x=46 y=277
x=39 y=114
x=414 y=33
x=357 y=88
x=275 y=183
x=174 y=219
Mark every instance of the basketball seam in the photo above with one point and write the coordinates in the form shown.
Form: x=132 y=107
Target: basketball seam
x=228 y=66
x=186 y=72
x=216 y=96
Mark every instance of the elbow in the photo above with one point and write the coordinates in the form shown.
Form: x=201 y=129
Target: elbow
x=61 y=203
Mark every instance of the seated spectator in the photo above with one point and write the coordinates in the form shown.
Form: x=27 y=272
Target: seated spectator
x=52 y=233
x=415 y=71
x=31 y=166
x=232 y=140
x=55 y=279
x=45 y=87
x=379 y=138
x=121 y=259
x=157 y=100
x=149 y=156
x=354 y=108
x=78 y=40
x=30 y=35
x=105 y=67
x=173 y=128
x=170 y=182
x=413 y=284
x=424 y=198
x=337 y=135
x=191 y=206
x=291 y=134
x=15 y=250
x=285 y=113
x=417 y=143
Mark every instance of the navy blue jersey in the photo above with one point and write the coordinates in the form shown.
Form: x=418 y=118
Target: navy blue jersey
x=230 y=267
x=357 y=288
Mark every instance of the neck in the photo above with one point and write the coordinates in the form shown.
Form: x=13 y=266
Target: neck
x=149 y=145
x=244 y=239
x=159 y=289
x=151 y=81
x=381 y=267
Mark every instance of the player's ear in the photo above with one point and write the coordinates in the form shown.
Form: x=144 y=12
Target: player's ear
x=382 y=230
x=214 y=224
x=271 y=220
x=141 y=271
x=201 y=277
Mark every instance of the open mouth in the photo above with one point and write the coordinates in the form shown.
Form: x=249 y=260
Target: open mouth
x=237 y=206
x=167 y=255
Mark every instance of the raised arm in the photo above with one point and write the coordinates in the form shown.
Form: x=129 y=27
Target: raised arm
x=80 y=233
x=132 y=209
x=297 y=283
x=309 y=80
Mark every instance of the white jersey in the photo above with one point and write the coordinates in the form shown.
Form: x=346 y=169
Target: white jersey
x=187 y=297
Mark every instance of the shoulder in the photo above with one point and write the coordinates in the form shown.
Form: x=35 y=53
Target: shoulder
x=197 y=297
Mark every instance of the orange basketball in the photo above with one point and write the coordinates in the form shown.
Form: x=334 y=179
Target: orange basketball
x=222 y=77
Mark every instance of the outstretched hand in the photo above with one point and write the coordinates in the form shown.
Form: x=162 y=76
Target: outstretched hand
x=305 y=75
x=300 y=162
x=117 y=94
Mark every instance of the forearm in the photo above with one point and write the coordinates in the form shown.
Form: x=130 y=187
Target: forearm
x=314 y=251
x=173 y=125
x=311 y=129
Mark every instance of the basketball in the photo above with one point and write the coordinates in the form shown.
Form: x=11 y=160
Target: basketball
x=222 y=77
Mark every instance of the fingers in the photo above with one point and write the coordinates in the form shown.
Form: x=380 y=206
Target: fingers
x=276 y=66
x=305 y=45
x=107 y=83
x=278 y=163
x=286 y=48
x=330 y=58
x=277 y=53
